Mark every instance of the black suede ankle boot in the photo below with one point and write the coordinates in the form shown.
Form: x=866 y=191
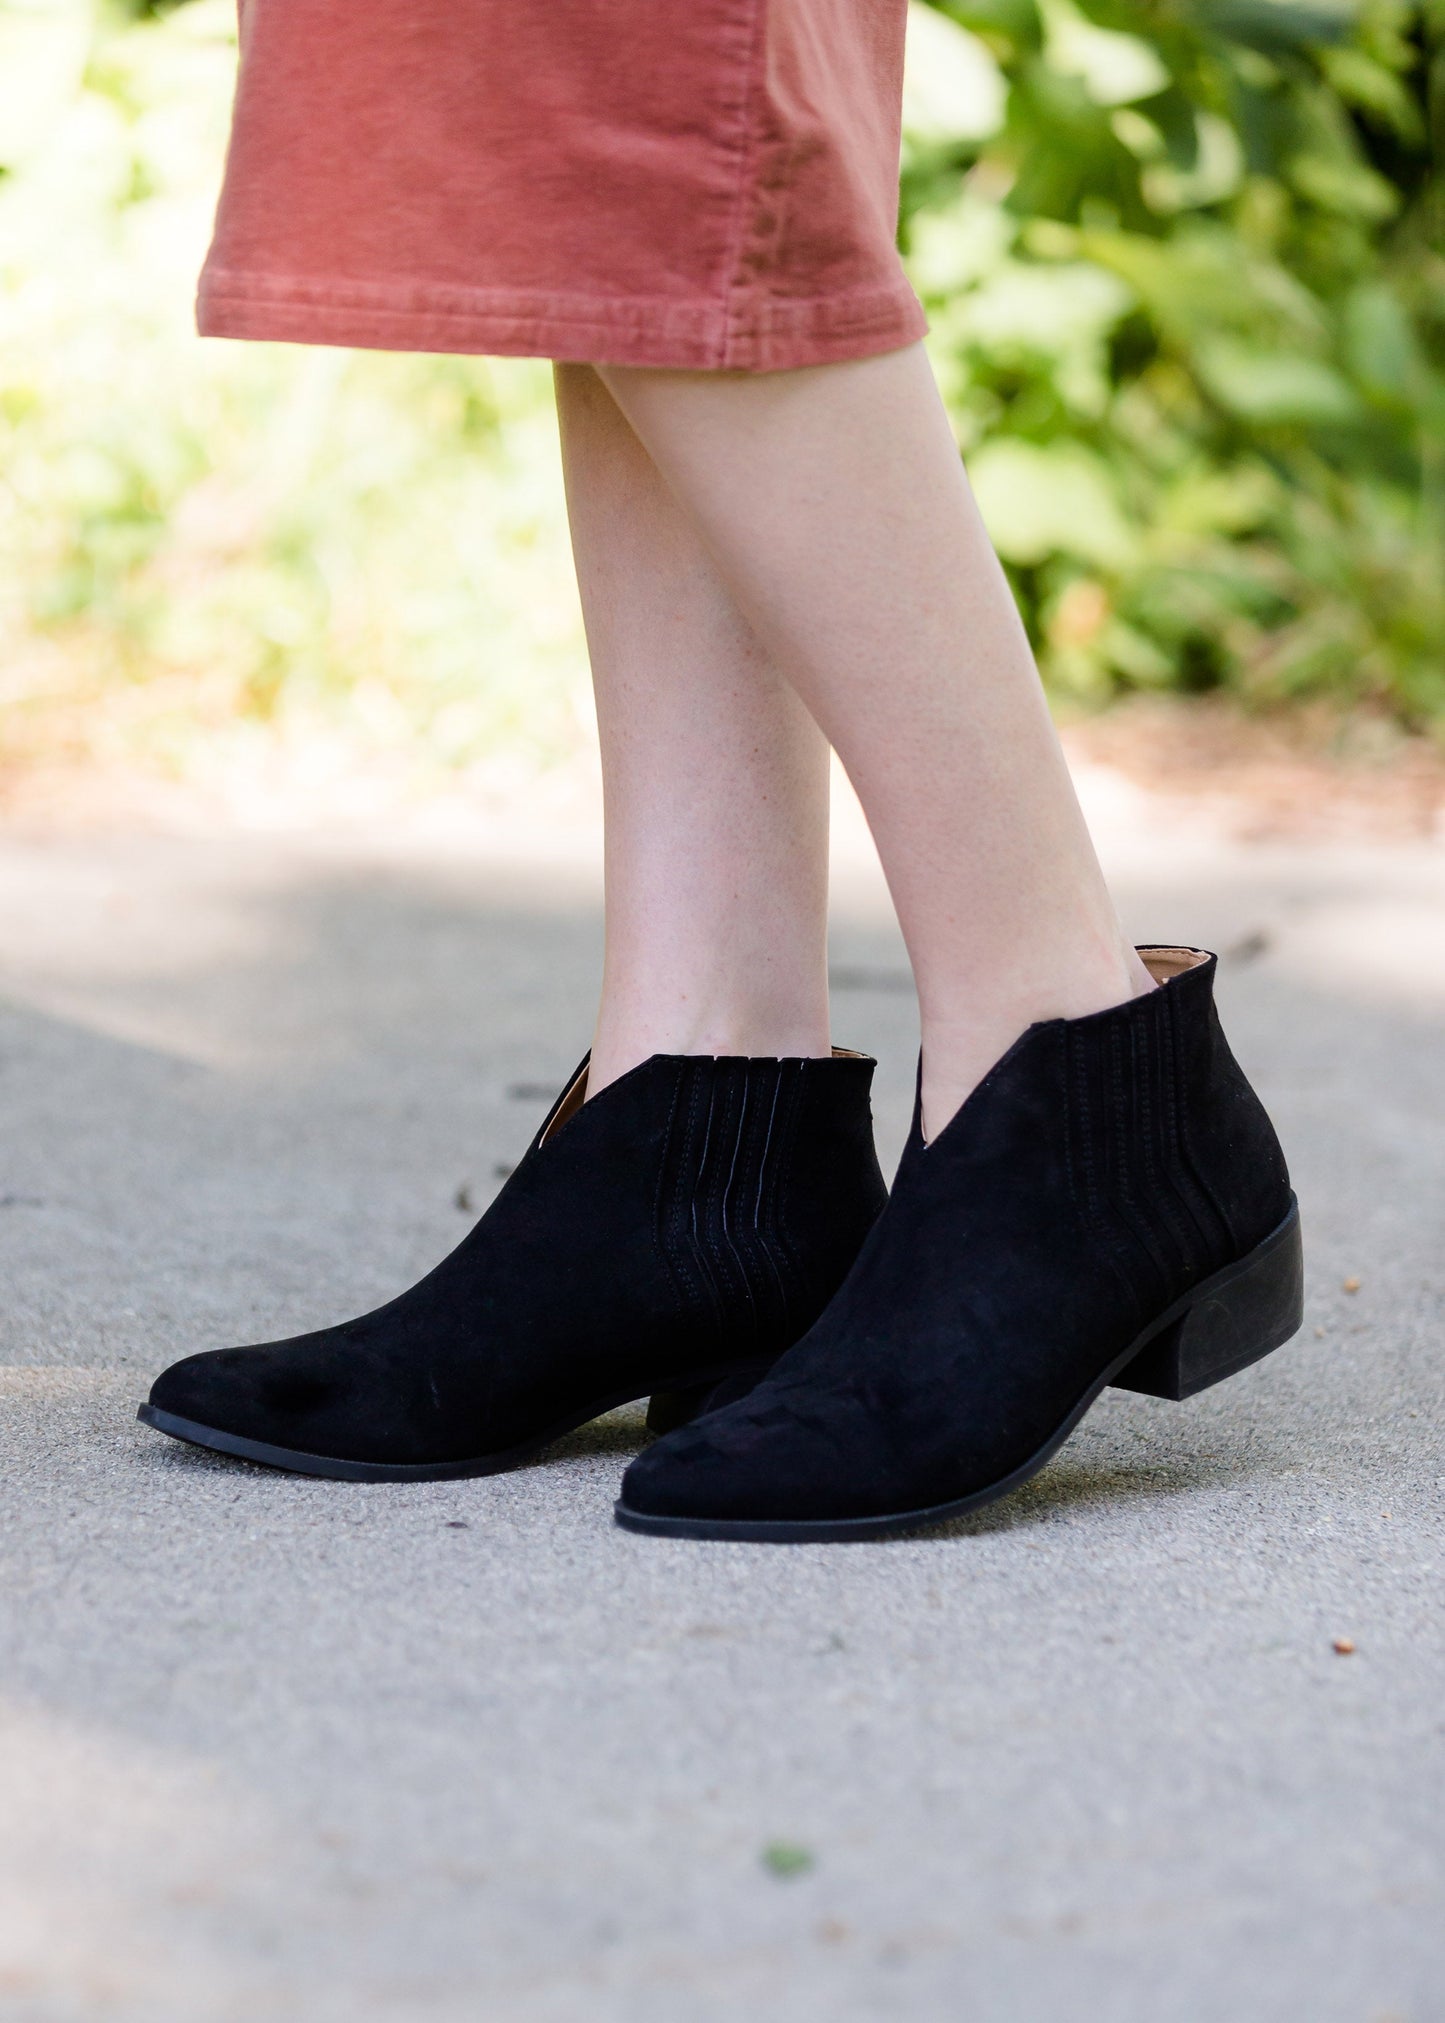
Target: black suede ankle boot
x=1110 y=1206
x=675 y=1233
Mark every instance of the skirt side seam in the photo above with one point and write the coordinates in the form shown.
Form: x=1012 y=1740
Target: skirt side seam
x=734 y=286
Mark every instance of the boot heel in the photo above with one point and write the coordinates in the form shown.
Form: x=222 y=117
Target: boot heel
x=669 y=1409
x=1230 y=1322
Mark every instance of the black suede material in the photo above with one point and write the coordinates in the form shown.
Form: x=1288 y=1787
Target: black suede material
x=1103 y=1167
x=695 y=1216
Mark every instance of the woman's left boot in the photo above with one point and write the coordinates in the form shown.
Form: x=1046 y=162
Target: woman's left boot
x=673 y=1234
x=1109 y=1206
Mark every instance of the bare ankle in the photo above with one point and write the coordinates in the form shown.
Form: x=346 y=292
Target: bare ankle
x=622 y=1045
x=958 y=1051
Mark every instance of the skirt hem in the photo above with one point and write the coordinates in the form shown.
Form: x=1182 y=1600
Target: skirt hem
x=774 y=335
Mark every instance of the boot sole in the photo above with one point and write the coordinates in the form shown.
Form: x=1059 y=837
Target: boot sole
x=1231 y=1320
x=335 y=1469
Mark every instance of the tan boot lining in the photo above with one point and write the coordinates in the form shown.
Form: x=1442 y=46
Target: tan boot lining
x=570 y=1104
x=1163 y=964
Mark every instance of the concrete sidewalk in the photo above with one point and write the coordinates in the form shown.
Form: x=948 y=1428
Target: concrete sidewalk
x=324 y=1753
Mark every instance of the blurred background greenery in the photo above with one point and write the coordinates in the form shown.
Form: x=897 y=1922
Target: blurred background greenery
x=1185 y=265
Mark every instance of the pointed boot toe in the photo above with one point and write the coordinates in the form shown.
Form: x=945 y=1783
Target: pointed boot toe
x=674 y=1234
x=224 y=1387
x=311 y=1404
x=1110 y=1206
x=687 y=1475
x=747 y=1473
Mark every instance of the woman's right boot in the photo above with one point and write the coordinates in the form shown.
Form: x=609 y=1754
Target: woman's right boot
x=673 y=1234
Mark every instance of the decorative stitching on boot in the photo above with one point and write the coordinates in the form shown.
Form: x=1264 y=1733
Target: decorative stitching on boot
x=797 y=1303
x=1160 y=1190
x=1134 y=1128
x=703 y=1212
x=771 y=1240
x=1078 y=1096
x=679 y=1210
x=1173 y=1173
x=720 y=1158
x=758 y=1242
x=659 y=1209
x=733 y=1238
x=1215 y=1252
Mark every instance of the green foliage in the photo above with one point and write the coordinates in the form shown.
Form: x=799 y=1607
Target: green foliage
x=1185 y=263
x=257 y=541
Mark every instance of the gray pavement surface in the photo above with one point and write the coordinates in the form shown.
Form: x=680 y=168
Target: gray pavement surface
x=279 y=1749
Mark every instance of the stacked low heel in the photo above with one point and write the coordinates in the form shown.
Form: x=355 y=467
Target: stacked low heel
x=667 y=1410
x=1238 y=1318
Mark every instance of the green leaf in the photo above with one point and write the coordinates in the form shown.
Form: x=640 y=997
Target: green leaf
x=1380 y=342
x=1115 y=69
x=1273 y=387
x=1172 y=112
x=1275 y=26
x=1348 y=188
x=1018 y=21
x=1203 y=279
x=1362 y=81
x=1040 y=500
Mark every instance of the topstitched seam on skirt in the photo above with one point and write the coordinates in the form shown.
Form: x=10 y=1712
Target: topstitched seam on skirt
x=733 y=275
x=775 y=315
x=856 y=305
x=586 y=343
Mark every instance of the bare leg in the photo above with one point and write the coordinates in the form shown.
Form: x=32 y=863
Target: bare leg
x=836 y=506
x=715 y=777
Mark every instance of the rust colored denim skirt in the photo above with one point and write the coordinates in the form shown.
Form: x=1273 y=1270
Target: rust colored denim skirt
x=694 y=183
